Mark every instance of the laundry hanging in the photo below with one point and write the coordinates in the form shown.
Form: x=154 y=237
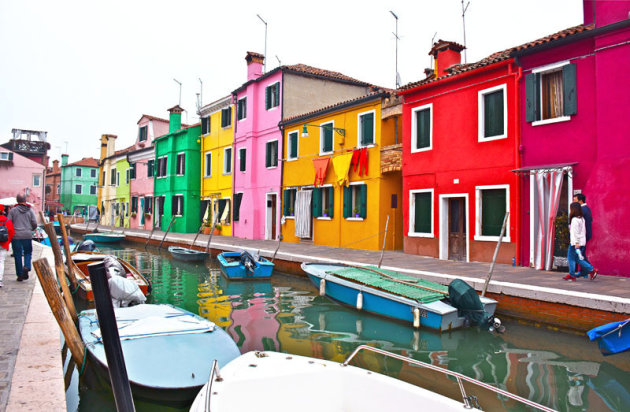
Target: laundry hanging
x=303 y=217
x=321 y=167
x=360 y=161
x=341 y=164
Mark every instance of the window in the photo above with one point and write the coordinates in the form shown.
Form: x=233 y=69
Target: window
x=222 y=208
x=272 y=96
x=323 y=201
x=148 y=204
x=127 y=175
x=205 y=125
x=492 y=204
x=93 y=189
x=326 y=138
x=242 y=156
x=132 y=170
x=366 y=129
x=226 y=117
x=126 y=207
x=289 y=202
x=161 y=166
x=78 y=189
x=181 y=164
x=37 y=180
x=104 y=178
x=421 y=213
x=292 y=150
x=492 y=113
x=117 y=179
x=178 y=205
x=355 y=201
x=422 y=128
x=78 y=172
x=208 y=164
x=142 y=133
x=241 y=108
x=6 y=156
x=150 y=168
x=271 y=154
x=134 y=204
x=551 y=93
x=237 y=206
x=112 y=178
x=92 y=173
x=58 y=189
x=227 y=161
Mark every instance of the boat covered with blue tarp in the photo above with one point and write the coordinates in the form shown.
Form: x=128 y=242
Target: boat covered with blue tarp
x=612 y=337
x=244 y=265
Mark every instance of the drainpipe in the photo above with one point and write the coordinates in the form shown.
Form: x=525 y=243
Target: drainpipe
x=517 y=157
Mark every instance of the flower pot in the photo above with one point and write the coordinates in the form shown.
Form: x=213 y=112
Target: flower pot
x=216 y=231
x=325 y=214
x=207 y=230
x=357 y=215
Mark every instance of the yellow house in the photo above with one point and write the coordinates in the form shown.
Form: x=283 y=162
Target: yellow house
x=353 y=150
x=113 y=198
x=217 y=162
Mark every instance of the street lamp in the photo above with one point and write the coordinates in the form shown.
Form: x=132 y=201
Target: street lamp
x=397 y=38
x=341 y=132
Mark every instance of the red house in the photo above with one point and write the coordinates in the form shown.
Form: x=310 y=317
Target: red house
x=460 y=144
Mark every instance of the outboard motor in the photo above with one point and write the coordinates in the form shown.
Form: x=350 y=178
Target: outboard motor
x=463 y=297
x=87 y=246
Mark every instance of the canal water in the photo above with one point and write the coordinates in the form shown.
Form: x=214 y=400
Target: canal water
x=561 y=370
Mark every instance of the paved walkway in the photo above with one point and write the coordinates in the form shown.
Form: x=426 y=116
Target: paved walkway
x=31 y=371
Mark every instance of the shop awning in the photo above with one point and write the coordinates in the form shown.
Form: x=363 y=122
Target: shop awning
x=543 y=168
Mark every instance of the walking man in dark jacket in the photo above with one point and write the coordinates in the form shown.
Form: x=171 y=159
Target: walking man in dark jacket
x=24 y=222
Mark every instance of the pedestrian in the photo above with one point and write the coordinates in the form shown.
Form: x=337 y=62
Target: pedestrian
x=588 y=219
x=24 y=222
x=6 y=235
x=577 y=234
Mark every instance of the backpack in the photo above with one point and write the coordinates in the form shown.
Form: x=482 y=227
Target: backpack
x=4 y=232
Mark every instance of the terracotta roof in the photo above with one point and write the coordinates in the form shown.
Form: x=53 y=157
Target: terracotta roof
x=86 y=161
x=148 y=116
x=314 y=71
x=502 y=55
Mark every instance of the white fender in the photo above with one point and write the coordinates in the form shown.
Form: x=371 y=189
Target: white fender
x=322 y=287
x=416 y=318
x=360 y=301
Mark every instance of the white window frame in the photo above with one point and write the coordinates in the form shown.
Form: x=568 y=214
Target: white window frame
x=209 y=125
x=237 y=104
x=117 y=178
x=78 y=172
x=412 y=208
x=297 y=136
x=277 y=105
x=543 y=70
x=140 y=133
x=443 y=228
x=177 y=164
x=296 y=188
x=4 y=155
x=206 y=156
x=481 y=113
x=95 y=190
x=80 y=191
x=39 y=177
x=182 y=211
x=479 y=209
x=325 y=203
x=359 y=131
x=352 y=218
x=242 y=150
x=225 y=158
x=321 y=137
x=277 y=153
x=414 y=128
x=231 y=114
x=93 y=173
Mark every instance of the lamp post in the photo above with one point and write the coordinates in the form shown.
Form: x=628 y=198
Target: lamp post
x=264 y=61
x=341 y=132
x=397 y=38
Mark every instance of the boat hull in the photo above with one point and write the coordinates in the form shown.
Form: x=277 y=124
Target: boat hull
x=235 y=270
x=104 y=237
x=187 y=255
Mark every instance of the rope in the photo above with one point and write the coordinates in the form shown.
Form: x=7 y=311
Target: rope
x=83 y=363
x=73 y=292
x=365 y=238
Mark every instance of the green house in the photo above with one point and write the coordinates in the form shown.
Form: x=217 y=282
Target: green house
x=177 y=176
x=79 y=184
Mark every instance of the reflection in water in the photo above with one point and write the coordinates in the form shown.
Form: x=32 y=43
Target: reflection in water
x=286 y=314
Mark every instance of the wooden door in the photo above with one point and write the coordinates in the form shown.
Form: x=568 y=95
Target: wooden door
x=456 y=228
x=271 y=217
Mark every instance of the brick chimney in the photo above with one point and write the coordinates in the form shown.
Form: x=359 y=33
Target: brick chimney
x=175 y=119
x=254 y=65
x=55 y=168
x=445 y=55
x=108 y=145
x=64 y=159
x=605 y=12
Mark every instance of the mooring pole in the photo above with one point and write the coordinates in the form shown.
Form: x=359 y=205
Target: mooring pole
x=196 y=236
x=277 y=247
x=111 y=339
x=66 y=246
x=216 y=216
x=150 y=236
x=496 y=253
x=167 y=230
x=384 y=240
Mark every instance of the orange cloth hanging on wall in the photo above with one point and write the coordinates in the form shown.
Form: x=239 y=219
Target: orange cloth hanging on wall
x=321 y=167
x=360 y=161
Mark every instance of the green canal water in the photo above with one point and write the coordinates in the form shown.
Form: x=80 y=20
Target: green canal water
x=560 y=370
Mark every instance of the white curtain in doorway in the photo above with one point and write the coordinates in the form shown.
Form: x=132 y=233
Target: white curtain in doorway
x=548 y=187
x=303 y=216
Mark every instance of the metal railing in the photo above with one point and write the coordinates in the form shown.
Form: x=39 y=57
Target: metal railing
x=213 y=372
x=468 y=400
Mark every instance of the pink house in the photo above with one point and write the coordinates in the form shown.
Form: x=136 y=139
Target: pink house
x=21 y=175
x=141 y=160
x=261 y=103
x=574 y=137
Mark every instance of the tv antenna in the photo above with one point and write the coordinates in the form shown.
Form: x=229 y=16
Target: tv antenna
x=180 y=91
x=464 y=24
x=431 y=55
x=265 y=60
x=397 y=38
x=200 y=96
x=279 y=62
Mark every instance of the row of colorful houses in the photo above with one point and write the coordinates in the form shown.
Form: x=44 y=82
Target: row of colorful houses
x=431 y=168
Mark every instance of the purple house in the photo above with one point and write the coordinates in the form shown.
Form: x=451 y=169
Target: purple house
x=261 y=103
x=574 y=137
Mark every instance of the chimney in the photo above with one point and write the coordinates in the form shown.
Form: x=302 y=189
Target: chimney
x=175 y=118
x=254 y=65
x=55 y=166
x=108 y=145
x=64 y=159
x=445 y=54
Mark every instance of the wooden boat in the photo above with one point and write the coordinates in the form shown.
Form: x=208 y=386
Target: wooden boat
x=244 y=265
x=80 y=262
x=612 y=337
x=280 y=382
x=168 y=351
x=187 y=255
x=104 y=237
x=395 y=295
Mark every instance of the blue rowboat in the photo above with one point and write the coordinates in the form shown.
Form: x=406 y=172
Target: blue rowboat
x=416 y=301
x=187 y=255
x=168 y=351
x=244 y=265
x=612 y=337
x=104 y=237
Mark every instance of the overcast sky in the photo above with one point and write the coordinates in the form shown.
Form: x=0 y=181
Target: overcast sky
x=78 y=69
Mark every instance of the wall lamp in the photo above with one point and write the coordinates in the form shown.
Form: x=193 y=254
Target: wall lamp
x=342 y=132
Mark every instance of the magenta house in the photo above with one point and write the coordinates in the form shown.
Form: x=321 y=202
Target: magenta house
x=21 y=175
x=261 y=103
x=574 y=137
x=141 y=160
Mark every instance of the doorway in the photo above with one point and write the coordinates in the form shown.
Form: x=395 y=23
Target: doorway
x=454 y=242
x=271 y=221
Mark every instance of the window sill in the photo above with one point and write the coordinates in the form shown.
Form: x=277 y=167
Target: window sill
x=271 y=167
x=326 y=153
x=355 y=219
x=227 y=173
x=506 y=239
x=415 y=234
x=549 y=121
x=324 y=218
x=292 y=159
x=368 y=146
x=483 y=139
x=289 y=217
x=273 y=108
x=423 y=149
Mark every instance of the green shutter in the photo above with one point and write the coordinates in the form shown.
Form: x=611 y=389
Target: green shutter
x=331 y=201
x=367 y=129
x=286 y=205
x=276 y=92
x=531 y=97
x=293 y=138
x=328 y=139
x=267 y=97
x=347 y=201
x=267 y=155
x=363 y=204
x=423 y=128
x=493 y=115
x=422 y=218
x=569 y=84
x=317 y=202
x=492 y=211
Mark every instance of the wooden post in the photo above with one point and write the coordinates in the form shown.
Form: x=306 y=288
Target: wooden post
x=384 y=240
x=214 y=223
x=196 y=236
x=277 y=247
x=60 y=269
x=66 y=246
x=60 y=310
x=496 y=253
x=150 y=236
x=167 y=230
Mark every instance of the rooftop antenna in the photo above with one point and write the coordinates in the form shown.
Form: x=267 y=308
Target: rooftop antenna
x=265 y=60
x=66 y=142
x=464 y=24
x=180 y=91
x=200 y=96
x=397 y=38
x=431 y=55
x=279 y=62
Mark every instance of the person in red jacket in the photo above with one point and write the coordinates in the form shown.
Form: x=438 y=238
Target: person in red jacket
x=4 y=246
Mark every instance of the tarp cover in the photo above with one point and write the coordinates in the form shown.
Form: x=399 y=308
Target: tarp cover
x=465 y=299
x=160 y=326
